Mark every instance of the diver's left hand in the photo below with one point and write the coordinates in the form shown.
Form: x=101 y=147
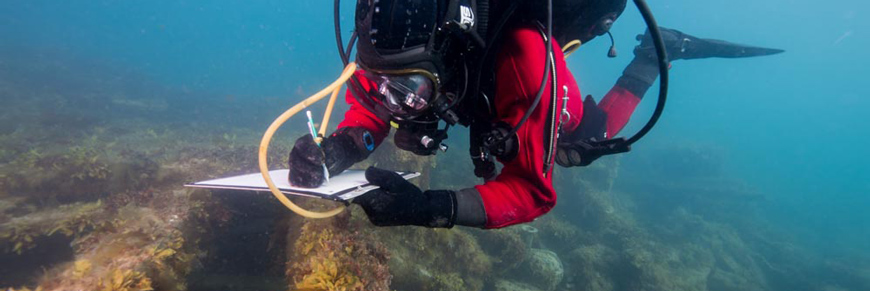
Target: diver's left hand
x=398 y=202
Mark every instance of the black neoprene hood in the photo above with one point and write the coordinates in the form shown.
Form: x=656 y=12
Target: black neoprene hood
x=575 y=19
x=397 y=35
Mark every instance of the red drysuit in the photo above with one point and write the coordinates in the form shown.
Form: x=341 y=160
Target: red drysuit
x=522 y=191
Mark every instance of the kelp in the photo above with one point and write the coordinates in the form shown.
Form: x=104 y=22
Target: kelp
x=331 y=255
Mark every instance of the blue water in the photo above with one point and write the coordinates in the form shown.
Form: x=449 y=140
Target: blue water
x=794 y=125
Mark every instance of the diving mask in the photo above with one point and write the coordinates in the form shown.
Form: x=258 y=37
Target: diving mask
x=406 y=96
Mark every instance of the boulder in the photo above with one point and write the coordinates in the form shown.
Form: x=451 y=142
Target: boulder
x=541 y=269
x=506 y=285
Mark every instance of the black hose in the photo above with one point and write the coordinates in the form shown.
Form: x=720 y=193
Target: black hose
x=494 y=34
x=350 y=44
x=354 y=85
x=662 y=55
x=336 y=13
x=549 y=52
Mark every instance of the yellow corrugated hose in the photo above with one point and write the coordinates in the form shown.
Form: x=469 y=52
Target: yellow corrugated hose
x=572 y=46
x=267 y=137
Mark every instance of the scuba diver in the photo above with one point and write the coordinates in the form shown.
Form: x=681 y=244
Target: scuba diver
x=497 y=67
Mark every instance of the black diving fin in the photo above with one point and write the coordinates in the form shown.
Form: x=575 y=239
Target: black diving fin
x=683 y=46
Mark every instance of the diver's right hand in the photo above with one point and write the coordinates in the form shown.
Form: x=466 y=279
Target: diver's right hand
x=343 y=148
x=306 y=163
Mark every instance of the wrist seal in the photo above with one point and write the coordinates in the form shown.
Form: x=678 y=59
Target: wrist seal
x=440 y=209
x=347 y=146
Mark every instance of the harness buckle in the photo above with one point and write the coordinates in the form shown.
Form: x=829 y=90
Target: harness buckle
x=566 y=116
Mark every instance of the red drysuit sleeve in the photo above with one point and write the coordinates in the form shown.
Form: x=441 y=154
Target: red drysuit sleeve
x=522 y=191
x=619 y=104
x=359 y=116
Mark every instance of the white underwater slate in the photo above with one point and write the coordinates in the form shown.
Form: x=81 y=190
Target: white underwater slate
x=342 y=187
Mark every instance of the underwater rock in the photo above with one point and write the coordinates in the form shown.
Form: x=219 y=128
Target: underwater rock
x=134 y=171
x=542 y=269
x=77 y=174
x=435 y=259
x=559 y=235
x=336 y=254
x=20 y=234
x=588 y=209
x=505 y=246
x=723 y=280
x=685 y=253
x=505 y=285
x=145 y=249
x=591 y=267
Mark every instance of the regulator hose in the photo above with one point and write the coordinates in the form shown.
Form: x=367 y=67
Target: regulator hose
x=662 y=55
x=333 y=88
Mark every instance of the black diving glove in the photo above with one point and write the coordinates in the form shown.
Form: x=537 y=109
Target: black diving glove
x=578 y=149
x=398 y=202
x=345 y=147
x=643 y=69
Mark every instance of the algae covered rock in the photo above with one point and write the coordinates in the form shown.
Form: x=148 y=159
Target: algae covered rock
x=435 y=259
x=506 y=285
x=506 y=247
x=592 y=266
x=337 y=254
x=542 y=269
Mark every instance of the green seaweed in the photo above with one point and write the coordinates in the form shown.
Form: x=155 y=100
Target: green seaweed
x=74 y=220
x=326 y=275
x=145 y=249
x=76 y=174
x=447 y=282
x=329 y=256
x=88 y=163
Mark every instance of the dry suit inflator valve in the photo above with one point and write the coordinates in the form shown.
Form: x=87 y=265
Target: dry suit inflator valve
x=429 y=143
